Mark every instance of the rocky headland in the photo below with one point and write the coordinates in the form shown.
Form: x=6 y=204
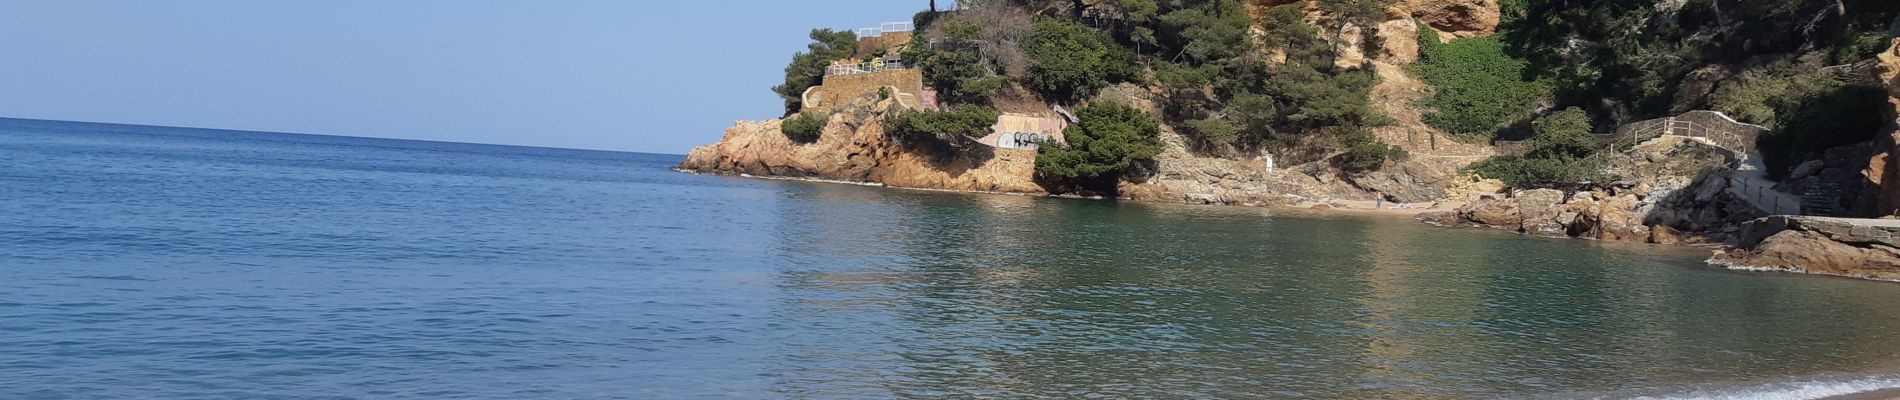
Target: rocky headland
x=1672 y=188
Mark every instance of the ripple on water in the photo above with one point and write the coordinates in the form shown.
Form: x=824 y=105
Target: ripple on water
x=308 y=267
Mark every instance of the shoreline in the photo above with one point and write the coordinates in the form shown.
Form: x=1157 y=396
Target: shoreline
x=1336 y=207
x=1882 y=394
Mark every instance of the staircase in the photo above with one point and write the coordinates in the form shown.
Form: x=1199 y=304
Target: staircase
x=1822 y=199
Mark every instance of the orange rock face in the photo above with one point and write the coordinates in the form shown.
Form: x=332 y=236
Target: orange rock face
x=1458 y=18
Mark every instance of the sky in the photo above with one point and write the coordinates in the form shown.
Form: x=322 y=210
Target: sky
x=645 y=76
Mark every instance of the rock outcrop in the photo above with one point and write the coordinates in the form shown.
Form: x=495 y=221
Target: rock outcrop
x=1882 y=174
x=1395 y=40
x=1456 y=18
x=1868 y=249
x=853 y=147
x=1678 y=193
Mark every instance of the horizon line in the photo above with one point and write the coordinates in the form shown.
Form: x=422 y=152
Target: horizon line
x=246 y=131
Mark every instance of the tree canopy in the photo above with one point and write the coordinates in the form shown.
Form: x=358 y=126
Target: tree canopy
x=807 y=68
x=1109 y=140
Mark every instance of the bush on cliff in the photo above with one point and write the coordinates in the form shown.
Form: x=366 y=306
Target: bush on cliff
x=1070 y=61
x=805 y=127
x=1110 y=140
x=1364 y=152
x=808 y=67
x=941 y=127
x=1563 y=153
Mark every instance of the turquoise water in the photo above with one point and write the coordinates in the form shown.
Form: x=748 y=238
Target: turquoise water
x=140 y=262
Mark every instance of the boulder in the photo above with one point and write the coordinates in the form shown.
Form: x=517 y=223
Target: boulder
x=1663 y=234
x=1540 y=210
x=1492 y=212
x=1396 y=41
x=1457 y=18
x=1806 y=169
x=1815 y=252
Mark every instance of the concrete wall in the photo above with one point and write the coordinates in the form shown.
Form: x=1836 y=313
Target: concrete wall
x=1007 y=124
x=840 y=89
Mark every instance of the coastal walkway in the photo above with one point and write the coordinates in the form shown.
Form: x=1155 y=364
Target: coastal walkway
x=1749 y=177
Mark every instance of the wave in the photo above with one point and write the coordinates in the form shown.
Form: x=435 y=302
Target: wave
x=1795 y=390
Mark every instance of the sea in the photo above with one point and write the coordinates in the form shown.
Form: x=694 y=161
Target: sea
x=168 y=263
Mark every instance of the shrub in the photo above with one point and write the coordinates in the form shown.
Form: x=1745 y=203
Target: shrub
x=805 y=127
x=1204 y=31
x=1110 y=140
x=1212 y=133
x=1070 y=61
x=1479 y=88
x=948 y=127
x=960 y=77
x=1527 y=172
x=1364 y=152
x=1563 y=153
x=1761 y=97
x=1564 y=134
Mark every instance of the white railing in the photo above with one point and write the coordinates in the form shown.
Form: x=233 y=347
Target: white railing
x=887 y=27
x=864 y=67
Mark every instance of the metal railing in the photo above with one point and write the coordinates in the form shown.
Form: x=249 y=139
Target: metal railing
x=864 y=67
x=887 y=27
x=1729 y=137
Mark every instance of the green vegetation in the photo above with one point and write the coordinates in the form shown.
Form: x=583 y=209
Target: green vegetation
x=1285 y=91
x=808 y=67
x=1624 y=61
x=960 y=76
x=1563 y=153
x=1111 y=139
x=1819 y=121
x=1250 y=102
x=1480 y=89
x=1199 y=31
x=805 y=127
x=968 y=55
x=943 y=127
x=1070 y=62
x=1760 y=97
x=1806 y=113
x=1365 y=152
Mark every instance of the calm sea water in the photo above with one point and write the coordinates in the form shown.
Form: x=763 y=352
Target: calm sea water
x=140 y=262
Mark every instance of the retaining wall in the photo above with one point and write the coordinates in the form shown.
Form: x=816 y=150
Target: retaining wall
x=838 y=90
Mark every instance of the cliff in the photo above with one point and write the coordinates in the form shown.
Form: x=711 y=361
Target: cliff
x=1882 y=174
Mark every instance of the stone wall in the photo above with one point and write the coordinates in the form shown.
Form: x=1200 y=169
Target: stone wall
x=890 y=40
x=1714 y=126
x=839 y=90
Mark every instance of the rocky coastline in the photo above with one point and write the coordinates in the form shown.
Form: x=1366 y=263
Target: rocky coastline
x=1672 y=190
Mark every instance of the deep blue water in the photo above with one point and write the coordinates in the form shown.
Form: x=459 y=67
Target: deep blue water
x=144 y=262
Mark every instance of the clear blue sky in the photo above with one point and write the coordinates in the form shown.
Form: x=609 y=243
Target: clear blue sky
x=648 y=76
